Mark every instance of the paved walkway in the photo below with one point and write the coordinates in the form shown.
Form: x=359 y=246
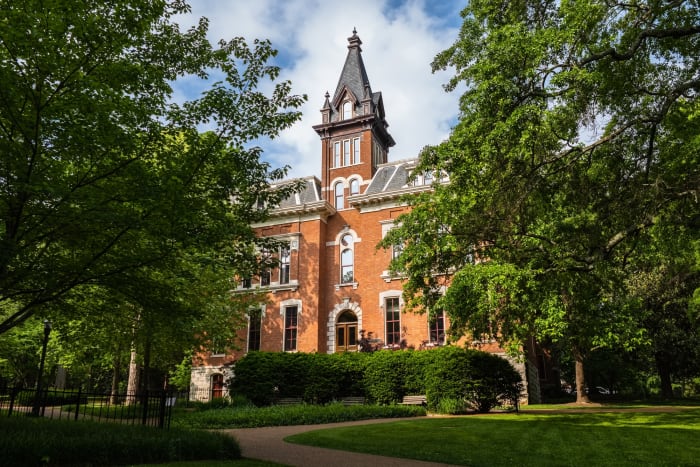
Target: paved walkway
x=267 y=444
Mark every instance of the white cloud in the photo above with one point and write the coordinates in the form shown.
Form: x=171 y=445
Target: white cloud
x=400 y=39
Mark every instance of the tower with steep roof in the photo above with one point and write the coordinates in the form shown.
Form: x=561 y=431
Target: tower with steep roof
x=353 y=129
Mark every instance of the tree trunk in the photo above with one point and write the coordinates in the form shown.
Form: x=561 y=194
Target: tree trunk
x=664 y=371
x=581 y=390
x=116 y=370
x=132 y=385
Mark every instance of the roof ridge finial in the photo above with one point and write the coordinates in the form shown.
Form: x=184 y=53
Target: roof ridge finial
x=354 y=40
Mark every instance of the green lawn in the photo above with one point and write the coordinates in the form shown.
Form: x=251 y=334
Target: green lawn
x=576 y=439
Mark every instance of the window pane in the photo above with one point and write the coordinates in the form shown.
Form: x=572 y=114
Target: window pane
x=437 y=329
x=346 y=152
x=393 y=328
x=352 y=335
x=346 y=266
x=255 y=318
x=354 y=187
x=340 y=337
x=356 y=151
x=290 y=328
x=347 y=110
x=339 y=196
x=336 y=154
x=284 y=265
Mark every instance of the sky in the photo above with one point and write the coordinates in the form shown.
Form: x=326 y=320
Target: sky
x=400 y=38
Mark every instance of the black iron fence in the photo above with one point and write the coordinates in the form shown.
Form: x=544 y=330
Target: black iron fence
x=151 y=408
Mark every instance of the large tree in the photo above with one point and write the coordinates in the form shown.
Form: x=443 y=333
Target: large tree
x=104 y=179
x=577 y=133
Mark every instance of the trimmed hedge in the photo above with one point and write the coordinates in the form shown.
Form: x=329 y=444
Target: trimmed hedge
x=452 y=378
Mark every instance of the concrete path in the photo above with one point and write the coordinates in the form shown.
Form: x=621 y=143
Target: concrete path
x=267 y=444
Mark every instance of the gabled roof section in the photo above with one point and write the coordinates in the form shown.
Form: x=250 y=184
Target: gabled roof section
x=354 y=75
x=391 y=182
x=307 y=199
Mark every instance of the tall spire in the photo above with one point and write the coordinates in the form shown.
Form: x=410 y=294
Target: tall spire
x=354 y=75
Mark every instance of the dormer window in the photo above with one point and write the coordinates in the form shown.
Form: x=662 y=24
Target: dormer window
x=347 y=110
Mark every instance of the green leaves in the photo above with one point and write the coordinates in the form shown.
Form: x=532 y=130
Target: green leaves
x=103 y=179
x=577 y=136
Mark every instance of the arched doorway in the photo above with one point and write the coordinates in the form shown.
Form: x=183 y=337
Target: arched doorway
x=346 y=332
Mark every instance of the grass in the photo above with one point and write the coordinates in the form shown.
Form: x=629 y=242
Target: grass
x=600 y=439
x=301 y=414
x=37 y=441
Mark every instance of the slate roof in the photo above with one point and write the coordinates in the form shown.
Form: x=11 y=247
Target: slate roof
x=310 y=193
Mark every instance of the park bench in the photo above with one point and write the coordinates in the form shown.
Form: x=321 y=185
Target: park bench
x=414 y=400
x=289 y=401
x=353 y=400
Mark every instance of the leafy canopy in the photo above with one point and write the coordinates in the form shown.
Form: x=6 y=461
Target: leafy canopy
x=578 y=133
x=105 y=181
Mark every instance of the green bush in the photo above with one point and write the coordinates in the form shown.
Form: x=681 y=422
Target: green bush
x=447 y=377
x=385 y=376
x=263 y=377
x=492 y=381
x=39 y=441
x=417 y=370
x=257 y=377
x=451 y=406
x=300 y=414
x=482 y=380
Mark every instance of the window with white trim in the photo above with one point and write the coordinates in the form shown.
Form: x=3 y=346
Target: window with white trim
x=339 y=191
x=347 y=259
x=437 y=328
x=290 y=328
x=354 y=187
x=285 y=266
x=254 y=328
x=392 y=321
x=347 y=110
x=336 y=154
x=356 y=151
x=346 y=152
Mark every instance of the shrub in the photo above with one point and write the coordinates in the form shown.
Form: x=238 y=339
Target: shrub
x=451 y=406
x=492 y=381
x=482 y=380
x=447 y=377
x=262 y=377
x=385 y=375
x=300 y=414
x=39 y=441
x=257 y=376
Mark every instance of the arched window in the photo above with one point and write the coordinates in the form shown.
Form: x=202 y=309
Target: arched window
x=347 y=260
x=354 y=187
x=339 y=196
x=347 y=110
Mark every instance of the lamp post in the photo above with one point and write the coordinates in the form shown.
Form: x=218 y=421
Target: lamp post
x=37 y=397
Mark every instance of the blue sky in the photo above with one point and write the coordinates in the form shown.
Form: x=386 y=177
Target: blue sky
x=400 y=39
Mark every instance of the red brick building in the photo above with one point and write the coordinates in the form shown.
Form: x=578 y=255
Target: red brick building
x=332 y=281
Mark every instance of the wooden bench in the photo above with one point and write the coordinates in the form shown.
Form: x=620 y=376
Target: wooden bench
x=414 y=400
x=353 y=400
x=289 y=401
